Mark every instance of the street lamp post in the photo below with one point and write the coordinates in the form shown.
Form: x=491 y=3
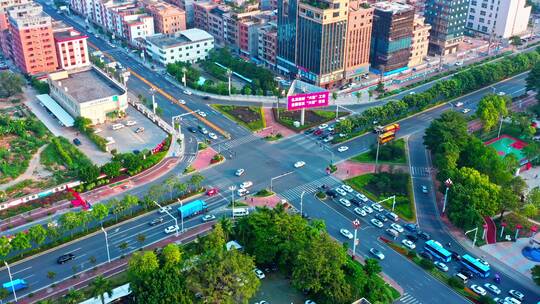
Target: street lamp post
x=500 y=127
x=276 y=177
x=11 y=280
x=153 y=92
x=377 y=154
x=356 y=225
x=229 y=74
x=184 y=70
x=393 y=197
x=174 y=218
x=232 y=188
x=302 y=203
x=106 y=244
x=475 y=233
x=448 y=184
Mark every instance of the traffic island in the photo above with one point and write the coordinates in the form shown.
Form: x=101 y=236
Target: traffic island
x=312 y=118
x=250 y=117
x=205 y=158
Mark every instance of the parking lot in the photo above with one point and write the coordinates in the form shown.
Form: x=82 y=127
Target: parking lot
x=127 y=139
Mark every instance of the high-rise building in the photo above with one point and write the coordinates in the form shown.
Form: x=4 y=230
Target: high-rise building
x=32 y=39
x=391 y=37
x=447 y=19
x=5 y=40
x=286 y=52
x=420 y=42
x=71 y=47
x=268 y=45
x=320 y=41
x=360 y=22
x=502 y=19
x=168 y=19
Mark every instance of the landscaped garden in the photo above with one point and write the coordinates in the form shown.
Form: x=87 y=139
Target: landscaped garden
x=249 y=117
x=390 y=153
x=379 y=186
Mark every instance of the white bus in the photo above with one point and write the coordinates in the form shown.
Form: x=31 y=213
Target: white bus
x=240 y=212
x=117 y=126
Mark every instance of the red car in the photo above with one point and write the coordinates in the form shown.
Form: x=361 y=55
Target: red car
x=212 y=192
x=318 y=132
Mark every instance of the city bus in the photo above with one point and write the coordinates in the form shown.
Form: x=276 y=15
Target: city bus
x=386 y=137
x=438 y=251
x=478 y=267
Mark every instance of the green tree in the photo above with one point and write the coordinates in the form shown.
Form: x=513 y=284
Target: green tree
x=123 y=247
x=112 y=169
x=51 y=275
x=358 y=95
x=37 y=234
x=73 y=297
x=490 y=109
x=515 y=41
x=88 y=172
x=99 y=212
x=116 y=207
x=533 y=80
x=82 y=124
x=141 y=264
x=171 y=255
x=170 y=183
x=196 y=180
x=181 y=187
x=535 y=271
x=372 y=267
x=5 y=246
x=21 y=241
x=155 y=192
x=99 y=287
x=141 y=238
x=10 y=84
x=129 y=201
x=69 y=221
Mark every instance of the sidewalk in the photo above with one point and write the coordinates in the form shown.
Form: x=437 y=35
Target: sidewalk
x=272 y=126
x=267 y=201
x=349 y=169
x=119 y=265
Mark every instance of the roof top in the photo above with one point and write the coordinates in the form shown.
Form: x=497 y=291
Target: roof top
x=392 y=7
x=89 y=85
x=57 y=110
x=180 y=38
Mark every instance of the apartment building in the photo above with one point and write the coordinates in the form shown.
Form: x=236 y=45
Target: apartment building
x=201 y=14
x=447 y=19
x=420 y=41
x=32 y=41
x=502 y=19
x=286 y=52
x=168 y=19
x=186 y=46
x=391 y=37
x=360 y=22
x=267 y=46
x=5 y=44
x=188 y=6
x=320 y=50
x=71 y=47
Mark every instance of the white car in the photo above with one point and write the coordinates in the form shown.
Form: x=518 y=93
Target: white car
x=181 y=101
x=204 y=130
x=164 y=209
x=242 y=192
x=346 y=233
x=360 y=211
x=309 y=302
x=409 y=244
x=492 y=288
x=131 y=123
x=239 y=172
x=341 y=191
x=377 y=253
x=459 y=104
x=347 y=188
x=328 y=139
x=479 y=290
x=212 y=135
x=511 y=300
x=343 y=149
x=345 y=202
x=246 y=184
x=517 y=294
x=323 y=126
x=367 y=209
x=299 y=164
x=259 y=273
x=187 y=92
x=442 y=266
x=377 y=207
x=465 y=111
x=330 y=129
x=171 y=229
x=208 y=218
x=397 y=227
x=201 y=113
x=362 y=197
x=377 y=223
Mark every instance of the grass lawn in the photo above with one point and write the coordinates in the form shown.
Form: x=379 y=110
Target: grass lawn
x=312 y=118
x=391 y=153
x=383 y=185
x=263 y=193
x=512 y=220
x=249 y=117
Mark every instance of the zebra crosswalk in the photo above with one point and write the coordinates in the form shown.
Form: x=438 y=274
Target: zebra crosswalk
x=293 y=194
x=236 y=142
x=420 y=171
x=408 y=299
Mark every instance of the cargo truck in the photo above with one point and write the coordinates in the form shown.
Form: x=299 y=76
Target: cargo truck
x=192 y=208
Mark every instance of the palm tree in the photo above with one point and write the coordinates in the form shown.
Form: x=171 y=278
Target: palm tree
x=123 y=246
x=227 y=226
x=99 y=287
x=73 y=297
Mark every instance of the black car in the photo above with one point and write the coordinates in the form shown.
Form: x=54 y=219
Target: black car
x=467 y=272
x=423 y=235
x=309 y=131
x=65 y=258
x=157 y=221
x=192 y=130
x=77 y=142
x=455 y=255
x=412 y=237
x=410 y=227
x=206 y=97
x=355 y=202
x=426 y=255
x=381 y=217
x=331 y=193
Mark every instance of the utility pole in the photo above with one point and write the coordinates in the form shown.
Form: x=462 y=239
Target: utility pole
x=232 y=188
x=356 y=225
x=448 y=183
x=154 y=106
x=302 y=203
x=229 y=74
x=11 y=280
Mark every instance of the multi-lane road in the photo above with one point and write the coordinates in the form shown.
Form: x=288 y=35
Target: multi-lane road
x=262 y=161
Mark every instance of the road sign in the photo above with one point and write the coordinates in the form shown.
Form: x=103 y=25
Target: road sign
x=307 y=101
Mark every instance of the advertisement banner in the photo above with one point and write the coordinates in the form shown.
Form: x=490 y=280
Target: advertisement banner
x=307 y=101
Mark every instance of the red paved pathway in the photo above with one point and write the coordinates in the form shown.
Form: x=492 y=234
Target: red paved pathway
x=491 y=231
x=349 y=169
x=202 y=161
x=268 y=201
x=109 y=269
x=272 y=126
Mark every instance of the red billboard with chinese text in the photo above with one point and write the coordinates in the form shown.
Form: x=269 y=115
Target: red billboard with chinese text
x=306 y=101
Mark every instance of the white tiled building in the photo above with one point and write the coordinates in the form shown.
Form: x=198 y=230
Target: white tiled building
x=185 y=46
x=500 y=18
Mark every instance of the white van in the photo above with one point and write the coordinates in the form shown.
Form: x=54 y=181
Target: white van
x=117 y=126
x=392 y=232
x=463 y=277
x=392 y=216
x=240 y=211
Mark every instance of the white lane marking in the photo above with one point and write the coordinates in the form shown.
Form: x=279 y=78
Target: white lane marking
x=21 y=270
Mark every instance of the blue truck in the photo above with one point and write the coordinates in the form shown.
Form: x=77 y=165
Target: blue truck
x=193 y=208
x=17 y=284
